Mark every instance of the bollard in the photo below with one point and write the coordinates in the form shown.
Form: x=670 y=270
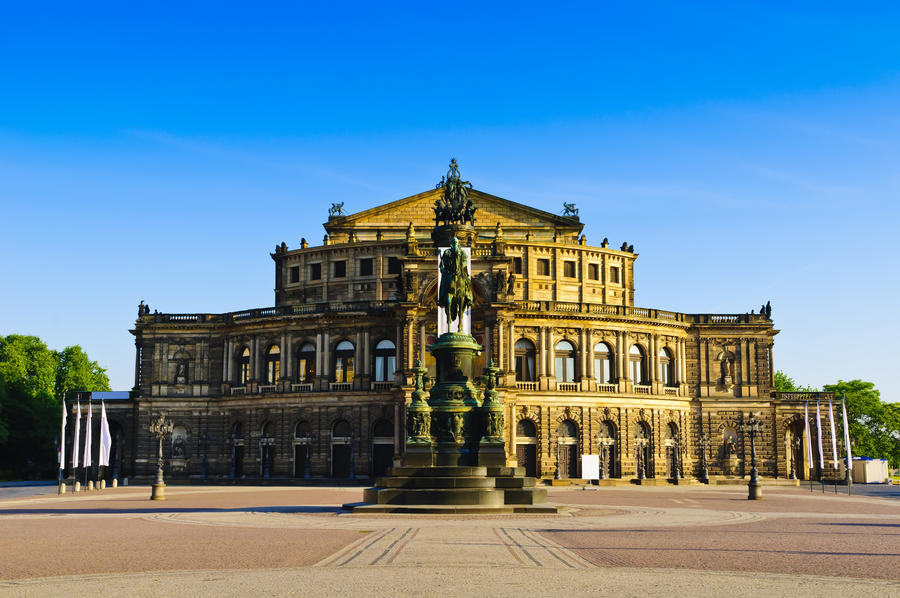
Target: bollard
x=62 y=488
x=90 y=485
x=77 y=487
x=102 y=484
x=115 y=482
x=125 y=482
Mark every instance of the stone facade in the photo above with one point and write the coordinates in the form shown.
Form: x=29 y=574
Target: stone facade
x=317 y=385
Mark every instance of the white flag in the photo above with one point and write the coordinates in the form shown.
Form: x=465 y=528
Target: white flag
x=834 y=452
x=86 y=459
x=847 y=434
x=105 y=438
x=77 y=434
x=809 y=458
x=62 y=438
x=819 y=434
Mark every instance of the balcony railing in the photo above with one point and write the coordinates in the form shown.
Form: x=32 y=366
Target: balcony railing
x=526 y=385
x=607 y=388
x=340 y=386
x=238 y=390
x=382 y=385
x=800 y=396
x=641 y=389
x=670 y=391
x=267 y=388
x=567 y=386
x=301 y=387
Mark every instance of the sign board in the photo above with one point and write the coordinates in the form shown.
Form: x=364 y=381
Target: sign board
x=590 y=467
x=442 y=324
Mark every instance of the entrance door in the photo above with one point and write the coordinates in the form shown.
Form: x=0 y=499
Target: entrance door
x=238 y=461
x=301 y=458
x=340 y=460
x=527 y=458
x=568 y=461
x=670 y=461
x=382 y=459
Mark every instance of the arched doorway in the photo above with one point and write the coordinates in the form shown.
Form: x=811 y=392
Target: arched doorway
x=341 y=449
x=568 y=450
x=382 y=447
x=796 y=464
x=608 y=450
x=302 y=450
x=644 y=450
x=526 y=446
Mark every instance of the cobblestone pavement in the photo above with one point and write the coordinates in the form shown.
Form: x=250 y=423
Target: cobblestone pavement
x=291 y=541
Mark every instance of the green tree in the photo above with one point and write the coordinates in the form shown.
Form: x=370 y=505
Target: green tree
x=75 y=371
x=874 y=425
x=785 y=383
x=33 y=379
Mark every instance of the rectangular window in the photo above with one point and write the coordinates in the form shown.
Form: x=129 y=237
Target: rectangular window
x=517 y=265
x=315 y=271
x=393 y=266
x=614 y=275
x=569 y=269
x=593 y=272
x=543 y=267
x=340 y=269
x=365 y=266
x=295 y=273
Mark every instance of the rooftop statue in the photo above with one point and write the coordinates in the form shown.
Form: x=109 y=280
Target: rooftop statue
x=454 y=206
x=336 y=209
x=569 y=210
x=455 y=293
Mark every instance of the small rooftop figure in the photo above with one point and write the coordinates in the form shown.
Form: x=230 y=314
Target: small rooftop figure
x=303 y=243
x=336 y=209
x=605 y=242
x=569 y=210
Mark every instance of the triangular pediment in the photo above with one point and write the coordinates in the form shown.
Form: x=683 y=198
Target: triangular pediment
x=516 y=219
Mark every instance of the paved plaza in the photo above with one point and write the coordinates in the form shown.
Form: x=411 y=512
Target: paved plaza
x=281 y=541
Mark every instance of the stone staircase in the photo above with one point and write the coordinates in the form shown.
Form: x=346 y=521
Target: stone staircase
x=454 y=489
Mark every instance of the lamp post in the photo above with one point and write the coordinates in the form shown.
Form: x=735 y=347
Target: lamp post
x=704 y=468
x=160 y=428
x=751 y=428
x=232 y=437
x=601 y=450
x=793 y=474
x=204 y=463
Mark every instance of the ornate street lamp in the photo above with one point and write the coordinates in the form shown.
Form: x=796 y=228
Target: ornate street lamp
x=793 y=474
x=203 y=439
x=704 y=468
x=160 y=428
x=751 y=428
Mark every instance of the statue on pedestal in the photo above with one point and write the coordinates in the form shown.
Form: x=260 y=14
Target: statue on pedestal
x=455 y=293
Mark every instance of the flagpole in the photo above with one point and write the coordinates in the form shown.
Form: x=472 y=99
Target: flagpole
x=809 y=458
x=819 y=438
x=62 y=447
x=847 y=450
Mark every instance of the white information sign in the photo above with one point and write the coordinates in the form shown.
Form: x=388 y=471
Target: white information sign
x=590 y=467
x=442 y=324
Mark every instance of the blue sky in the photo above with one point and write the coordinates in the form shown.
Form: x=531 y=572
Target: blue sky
x=749 y=152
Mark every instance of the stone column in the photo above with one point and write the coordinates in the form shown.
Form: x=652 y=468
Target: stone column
x=704 y=374
x=326 y=357
x=319 y=345
x=229 y=360
x=751 y=378
x=501 y=357
x=359 y=357
x=511 y=344
x=367 y=357
x=287 y=355
x=551 y=357
x=422 y=341
x=540 y=357
x=254 y=359
x=488 y=330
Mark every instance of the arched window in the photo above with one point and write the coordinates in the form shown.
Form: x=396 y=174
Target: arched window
x=302 y=431
x=603 y=364
x=638 y=363
x=237 y=431
x=244 y=367
x=341 y=429
x=666 y=367
x=526 y=429
x=385 y=361
x=273 y=364
x=524 y=360
x=306 y=363
x=383 y=429
x=343 y=362
x=568 y=429
x=565 y=362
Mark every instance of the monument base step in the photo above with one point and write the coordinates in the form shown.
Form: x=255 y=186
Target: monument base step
x=542 y=509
